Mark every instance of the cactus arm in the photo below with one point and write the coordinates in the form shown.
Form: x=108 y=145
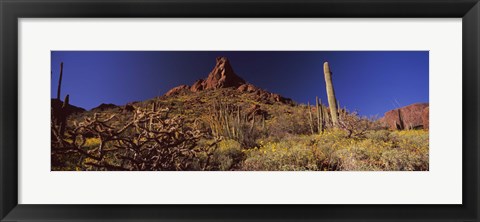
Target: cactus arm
x=311 y=118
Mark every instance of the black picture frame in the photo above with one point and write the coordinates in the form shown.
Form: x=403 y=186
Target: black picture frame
x=11 y=11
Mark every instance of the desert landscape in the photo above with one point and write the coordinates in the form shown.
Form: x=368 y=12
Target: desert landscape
x=224 y=122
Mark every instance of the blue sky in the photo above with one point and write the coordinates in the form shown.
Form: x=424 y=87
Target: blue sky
x=370 y=82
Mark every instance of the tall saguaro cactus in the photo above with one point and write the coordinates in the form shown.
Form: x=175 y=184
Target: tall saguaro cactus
x=332 y=100
x=60 y=81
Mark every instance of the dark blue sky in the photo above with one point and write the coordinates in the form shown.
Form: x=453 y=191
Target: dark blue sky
x=371 y=82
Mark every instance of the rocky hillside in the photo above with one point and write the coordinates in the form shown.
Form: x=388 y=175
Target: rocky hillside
x=223 y=86
x=223 y=76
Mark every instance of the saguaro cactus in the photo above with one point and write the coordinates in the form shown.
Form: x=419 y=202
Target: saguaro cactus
x=60 y=110
x=332 y=101
x=62 y=120
x=60 y=81
x=319 y=115
x=310 y=117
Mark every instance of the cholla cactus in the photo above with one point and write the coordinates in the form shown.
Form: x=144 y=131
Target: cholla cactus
x=147 y=141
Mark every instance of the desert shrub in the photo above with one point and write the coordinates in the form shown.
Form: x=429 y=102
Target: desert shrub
x=360 y=155
x=380 y=135
x=287 y=121
x=355 y=125
x=410 y=151
x=288 y=155
x=327 y=145
x=380 y=150
x=228 y=155
x=401 y=159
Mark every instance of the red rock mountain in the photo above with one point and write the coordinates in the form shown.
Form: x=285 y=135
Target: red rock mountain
x=413 y=116
x=223 y=76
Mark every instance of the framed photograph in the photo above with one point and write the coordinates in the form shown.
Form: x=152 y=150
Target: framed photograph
x=225 y=110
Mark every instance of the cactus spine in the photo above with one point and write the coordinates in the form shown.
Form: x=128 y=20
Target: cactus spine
x=60 y=81
x=332 y=101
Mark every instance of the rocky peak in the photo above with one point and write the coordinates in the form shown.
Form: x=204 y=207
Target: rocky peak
x=222 y=76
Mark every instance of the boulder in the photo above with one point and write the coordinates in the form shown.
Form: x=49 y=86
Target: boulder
x=255 y=110
x=177 y=90
x=247 y=88
x=425 y=118
x=279 y=98
x=197 y=86
x=407 y=117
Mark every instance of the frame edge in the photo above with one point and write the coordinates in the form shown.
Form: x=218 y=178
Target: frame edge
x=9 y=111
